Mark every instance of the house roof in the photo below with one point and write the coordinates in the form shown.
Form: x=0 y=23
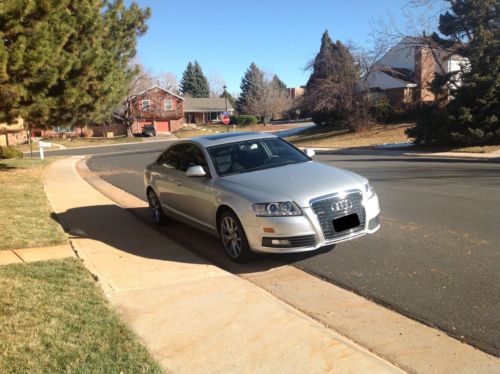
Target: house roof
x=209 y=104
x=402 y=74
x=153 y=87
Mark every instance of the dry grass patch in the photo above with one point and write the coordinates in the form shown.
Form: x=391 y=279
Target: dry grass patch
x=54 y=319
x=327 y=137
x=26 y=217
x=81 y=142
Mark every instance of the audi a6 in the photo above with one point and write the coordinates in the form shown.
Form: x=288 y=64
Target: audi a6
x=258 y=193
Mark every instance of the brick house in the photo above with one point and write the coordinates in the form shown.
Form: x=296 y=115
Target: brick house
x=158 y=107
x=405 y=73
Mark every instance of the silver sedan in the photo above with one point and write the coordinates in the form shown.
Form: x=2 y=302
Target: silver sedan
x=259 y=193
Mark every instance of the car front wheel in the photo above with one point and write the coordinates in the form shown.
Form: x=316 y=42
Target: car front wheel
x=155 y=209
x=233 y=237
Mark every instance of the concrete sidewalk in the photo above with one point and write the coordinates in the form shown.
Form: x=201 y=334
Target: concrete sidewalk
x=14 y=256
x=193 y=316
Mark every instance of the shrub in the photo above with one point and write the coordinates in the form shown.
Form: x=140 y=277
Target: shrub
x=9 y=152
x=382 y=110
x=243 y=120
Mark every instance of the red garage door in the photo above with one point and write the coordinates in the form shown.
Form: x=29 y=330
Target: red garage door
x=162 y=125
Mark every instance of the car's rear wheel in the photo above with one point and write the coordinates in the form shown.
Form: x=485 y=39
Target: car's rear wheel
x=155 y=209
x=233 y=237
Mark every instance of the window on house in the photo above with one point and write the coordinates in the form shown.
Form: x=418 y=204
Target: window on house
x=145 y=104
x=167 y=104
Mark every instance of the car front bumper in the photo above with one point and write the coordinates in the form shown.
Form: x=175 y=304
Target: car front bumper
x=304 y=233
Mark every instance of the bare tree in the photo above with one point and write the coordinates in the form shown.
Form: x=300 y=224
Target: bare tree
x=216 y=83
x=168 y=81
x=269 y=99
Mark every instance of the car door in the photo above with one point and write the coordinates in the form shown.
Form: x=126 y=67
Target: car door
x=165 y=174
x=194 y=197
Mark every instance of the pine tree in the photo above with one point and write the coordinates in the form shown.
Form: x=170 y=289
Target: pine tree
x=278 y=83
x=330 y=91
x=251 y=85
x=472 y=116
x=188 y=85
x=66 y=62
x=194 y=83
x=202 y=88
x=230 y=99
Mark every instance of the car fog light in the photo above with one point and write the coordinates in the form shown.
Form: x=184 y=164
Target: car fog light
x=280 y=242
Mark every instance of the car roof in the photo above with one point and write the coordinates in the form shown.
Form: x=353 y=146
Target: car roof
x=231 y=137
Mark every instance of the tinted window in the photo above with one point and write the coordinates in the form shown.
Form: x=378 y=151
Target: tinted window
x=182 y=156
x=252 y=155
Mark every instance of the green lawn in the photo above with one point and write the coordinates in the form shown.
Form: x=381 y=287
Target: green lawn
x=54 y=319
x=25 y=213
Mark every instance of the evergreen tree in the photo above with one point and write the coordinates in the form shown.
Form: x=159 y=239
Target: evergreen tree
x=187 y=85
x=251 y=86
x=472 y=116
x=330 y=91
x=279 y=83
x=66 y=62
x=202 y=88
x=194 y=83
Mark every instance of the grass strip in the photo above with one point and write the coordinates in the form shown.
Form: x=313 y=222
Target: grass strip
x=53 y=319
x=26 y=218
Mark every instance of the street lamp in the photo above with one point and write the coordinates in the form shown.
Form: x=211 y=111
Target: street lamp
x=225 y=102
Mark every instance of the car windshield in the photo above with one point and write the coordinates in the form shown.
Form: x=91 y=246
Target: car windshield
x=253 y=155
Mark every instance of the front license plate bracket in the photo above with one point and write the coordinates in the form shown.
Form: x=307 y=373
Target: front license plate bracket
x=345 y=223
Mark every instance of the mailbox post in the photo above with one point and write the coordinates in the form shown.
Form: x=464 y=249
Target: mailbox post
x=42 y=146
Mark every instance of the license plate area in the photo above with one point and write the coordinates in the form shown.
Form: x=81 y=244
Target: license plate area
x=345 y=223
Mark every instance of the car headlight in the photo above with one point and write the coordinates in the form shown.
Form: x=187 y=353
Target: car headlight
x=369 y=190
x=277 y=209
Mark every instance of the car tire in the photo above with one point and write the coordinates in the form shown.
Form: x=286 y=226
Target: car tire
x=155 y=210
x=233 y=237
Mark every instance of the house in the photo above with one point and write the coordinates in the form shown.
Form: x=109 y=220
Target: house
x=158 y=107
x=295 y=92
x=205 y=110
x=405 y=73
x=13 y=133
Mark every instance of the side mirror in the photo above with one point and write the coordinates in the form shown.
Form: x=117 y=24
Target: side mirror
x=309 y=152
x=195 y=171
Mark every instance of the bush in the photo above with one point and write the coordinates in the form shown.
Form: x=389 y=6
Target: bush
x=328 y=118
x=382 y=111
x=9 y=152
x=454 y=126
x=243 y=120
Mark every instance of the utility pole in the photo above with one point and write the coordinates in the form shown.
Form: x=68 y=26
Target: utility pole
x=225 y=102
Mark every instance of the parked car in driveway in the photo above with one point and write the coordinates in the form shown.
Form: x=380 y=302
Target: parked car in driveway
x=148 y=130
x=259 y=193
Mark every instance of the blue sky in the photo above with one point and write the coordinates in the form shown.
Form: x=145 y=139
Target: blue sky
x=279 y=36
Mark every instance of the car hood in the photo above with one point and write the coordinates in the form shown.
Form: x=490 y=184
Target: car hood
x=297 y=182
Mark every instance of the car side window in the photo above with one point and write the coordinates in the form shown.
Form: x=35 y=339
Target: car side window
x=171 y=157
x=192 y=155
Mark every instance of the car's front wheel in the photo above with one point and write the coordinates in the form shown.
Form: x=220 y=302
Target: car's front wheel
x=155 y=209
x=233 y=237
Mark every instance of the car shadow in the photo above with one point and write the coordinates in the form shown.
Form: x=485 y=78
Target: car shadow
x=101 y=223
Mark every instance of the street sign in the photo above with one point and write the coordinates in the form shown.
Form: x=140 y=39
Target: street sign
x=44 y=144
x=225 y=120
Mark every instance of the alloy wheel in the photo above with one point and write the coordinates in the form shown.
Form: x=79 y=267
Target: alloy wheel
x=231 y=237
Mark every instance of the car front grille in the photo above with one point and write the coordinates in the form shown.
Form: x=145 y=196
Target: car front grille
x=331 y=208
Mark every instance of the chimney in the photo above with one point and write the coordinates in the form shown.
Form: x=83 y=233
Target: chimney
x=424 y=73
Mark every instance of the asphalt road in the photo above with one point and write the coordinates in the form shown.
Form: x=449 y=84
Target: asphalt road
x=435 y=259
